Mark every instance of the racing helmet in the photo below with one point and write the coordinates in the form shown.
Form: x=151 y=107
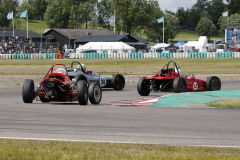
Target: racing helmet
x=84 y=67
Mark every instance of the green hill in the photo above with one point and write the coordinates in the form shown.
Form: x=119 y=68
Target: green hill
x=36 y=26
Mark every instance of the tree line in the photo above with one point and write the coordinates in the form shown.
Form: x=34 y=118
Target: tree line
x=129 y=16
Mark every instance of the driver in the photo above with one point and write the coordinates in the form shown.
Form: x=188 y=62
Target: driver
x=83 y=68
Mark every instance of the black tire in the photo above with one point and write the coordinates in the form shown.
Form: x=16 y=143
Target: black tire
x=179 y=85
x=118 y=82
x=213 y=83
x=28 y=91
x=143 y=87
x=78 y=78
x=82 y=92
x=94 y=93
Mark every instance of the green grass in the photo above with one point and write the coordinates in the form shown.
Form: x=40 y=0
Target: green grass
x=33 y=25
x=224 y=104
x=37 y=150
x=125 y=66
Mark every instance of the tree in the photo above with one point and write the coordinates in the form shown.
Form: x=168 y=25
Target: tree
x=222 y=22
x=182 y=16
x=154 y=30
x=233 y=7
x=56 y=15
x=171 y=26
x=197 y=11
x=29 y=7
x=87 y=11
x=105 y=12
x=215 y=9
x=205 y=27
x=7 y=6
x=40 y=7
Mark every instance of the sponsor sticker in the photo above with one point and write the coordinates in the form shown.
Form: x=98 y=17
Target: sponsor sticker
x=103 y=81
x=195 y=86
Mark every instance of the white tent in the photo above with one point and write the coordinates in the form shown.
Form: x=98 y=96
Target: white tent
x=200 y=45
x=114 y=47
x=160 y=45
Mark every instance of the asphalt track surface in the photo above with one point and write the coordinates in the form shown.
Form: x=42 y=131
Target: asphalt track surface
x=189 y=126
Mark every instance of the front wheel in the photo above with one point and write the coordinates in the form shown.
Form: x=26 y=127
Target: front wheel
x=118 y=82
x=213 y=83
x=179 y=85
x=28 y=91
x=95 y=93
x=143 y=87
x=82 y=92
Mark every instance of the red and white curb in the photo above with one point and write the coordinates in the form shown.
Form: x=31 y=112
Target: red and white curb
x=136 y=103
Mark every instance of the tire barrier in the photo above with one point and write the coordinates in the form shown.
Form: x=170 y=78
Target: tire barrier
x=165 y=55
x=197 y=55
x=95 y=55
x=225 y=55
x=136 y=55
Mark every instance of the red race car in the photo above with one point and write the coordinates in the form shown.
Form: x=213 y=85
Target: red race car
x=169 y=79
x=57 y=86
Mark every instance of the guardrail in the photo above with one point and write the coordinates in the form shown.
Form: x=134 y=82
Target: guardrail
x=122 y=55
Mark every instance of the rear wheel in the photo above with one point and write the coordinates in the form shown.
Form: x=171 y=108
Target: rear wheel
x=213 y=83
x=118 y=82
x=82 y=92
x=95 y=93
x=179 y=85
x=28 y=91
x=143 y=87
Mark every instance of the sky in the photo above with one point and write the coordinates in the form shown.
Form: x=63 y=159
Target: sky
x=173 y=5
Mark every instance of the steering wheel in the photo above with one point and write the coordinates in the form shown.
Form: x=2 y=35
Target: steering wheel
x=79 y=64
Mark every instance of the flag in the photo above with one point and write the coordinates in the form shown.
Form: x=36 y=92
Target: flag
x=10 y=15
x=23 y=14
x=225 y=13
x=160 y=20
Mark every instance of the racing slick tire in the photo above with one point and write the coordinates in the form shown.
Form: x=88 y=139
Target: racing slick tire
x=94 y=93
x=82 y=92
x=143 y=87
x=213 y=83
x=179 y=85
x=78 y=78
x=28 y=91
x=118 y=82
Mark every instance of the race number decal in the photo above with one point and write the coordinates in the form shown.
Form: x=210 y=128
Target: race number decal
x=195 y=86
x=102 y=81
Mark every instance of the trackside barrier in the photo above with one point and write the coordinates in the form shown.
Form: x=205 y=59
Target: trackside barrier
x=95 y=55
x=225 y=55
x=165 y=55
x=121 y=55
x=136 y=55
x=197 y=55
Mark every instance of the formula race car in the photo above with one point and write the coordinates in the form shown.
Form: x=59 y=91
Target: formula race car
x=117 y=82
x=57 y=86
x=170 y=79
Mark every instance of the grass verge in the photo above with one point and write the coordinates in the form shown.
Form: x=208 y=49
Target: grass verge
x=124 y=66
x=28 y=150
x=224 y=104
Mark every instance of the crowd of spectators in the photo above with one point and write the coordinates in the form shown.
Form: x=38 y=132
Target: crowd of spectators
x=12 y=44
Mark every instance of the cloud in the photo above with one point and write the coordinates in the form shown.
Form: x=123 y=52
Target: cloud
x=173 y=5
